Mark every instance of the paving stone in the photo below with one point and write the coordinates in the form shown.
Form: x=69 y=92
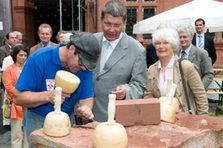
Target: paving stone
x=5 y=140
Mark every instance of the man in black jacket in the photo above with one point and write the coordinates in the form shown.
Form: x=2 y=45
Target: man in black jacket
x=201 y=40
x=151 y=56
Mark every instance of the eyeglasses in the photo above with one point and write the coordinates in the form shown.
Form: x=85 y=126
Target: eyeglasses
x=110 y=25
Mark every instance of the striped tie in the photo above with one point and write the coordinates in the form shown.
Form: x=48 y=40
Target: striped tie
x=183 y=55
x=200 y=41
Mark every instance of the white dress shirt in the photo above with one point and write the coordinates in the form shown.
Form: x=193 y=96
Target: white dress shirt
x=186 y=56
x=107 y=49
x=198 y=38
x=166 y=77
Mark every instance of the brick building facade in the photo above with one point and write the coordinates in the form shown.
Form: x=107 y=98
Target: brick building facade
x=24 y=18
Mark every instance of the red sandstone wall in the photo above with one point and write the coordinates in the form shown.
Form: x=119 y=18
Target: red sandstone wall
x=22 y=19
x=219 y=50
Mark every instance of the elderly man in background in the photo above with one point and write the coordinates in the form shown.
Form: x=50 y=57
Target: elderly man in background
x=7 y=61
x=60 y=36
x=19 y=37
x=5 y=50
x=196 y=55
x=45 y=33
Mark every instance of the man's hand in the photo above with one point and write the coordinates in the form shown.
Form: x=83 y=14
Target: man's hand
x=120 y=92
x=51 y=96
x=64 y=96
x=85 y=111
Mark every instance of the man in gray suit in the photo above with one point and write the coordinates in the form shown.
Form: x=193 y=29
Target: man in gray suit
x=196 y=55
x=121 y=69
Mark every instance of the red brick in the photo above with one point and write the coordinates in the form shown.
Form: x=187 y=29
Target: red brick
x=138 y=112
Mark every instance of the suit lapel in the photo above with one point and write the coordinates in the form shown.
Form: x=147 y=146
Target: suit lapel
x=39 y=46
x=100 y=37
x=119 y=52
x=205 y=42
x=194 y=40
x=192 y=53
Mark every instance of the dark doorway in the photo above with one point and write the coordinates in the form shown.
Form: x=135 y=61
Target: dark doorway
x=48 y=11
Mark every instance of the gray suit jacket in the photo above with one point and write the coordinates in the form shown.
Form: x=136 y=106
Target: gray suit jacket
x=126 y=66
x=203 y=61
x=196 y=91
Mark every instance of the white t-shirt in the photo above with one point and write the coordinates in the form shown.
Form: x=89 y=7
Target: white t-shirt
x=7 y=61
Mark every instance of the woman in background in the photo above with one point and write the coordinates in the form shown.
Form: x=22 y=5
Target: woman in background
x=10 y=77
x=166 y=71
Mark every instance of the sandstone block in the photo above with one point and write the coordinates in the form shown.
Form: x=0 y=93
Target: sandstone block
x=138 y=112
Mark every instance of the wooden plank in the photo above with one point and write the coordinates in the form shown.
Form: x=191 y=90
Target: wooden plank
x=218 y=72
x=218 y=78
x=213 y=89
x=218 y=69
x=215 y=92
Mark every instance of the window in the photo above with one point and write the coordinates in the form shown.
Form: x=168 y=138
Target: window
x=147 y=13
x=131 y=20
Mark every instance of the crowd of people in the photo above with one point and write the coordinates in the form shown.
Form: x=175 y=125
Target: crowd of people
x=106 y=62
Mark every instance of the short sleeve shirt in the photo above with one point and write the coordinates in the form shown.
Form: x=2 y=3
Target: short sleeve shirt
x=39 y=73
